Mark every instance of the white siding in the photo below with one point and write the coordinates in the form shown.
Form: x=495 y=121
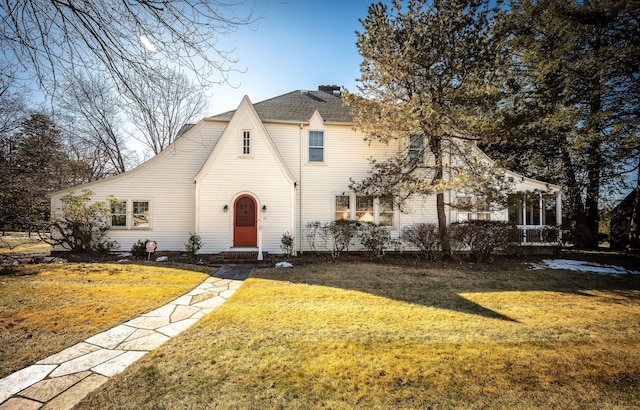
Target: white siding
x=227 y=176
x=167 y=182
x=189 y=184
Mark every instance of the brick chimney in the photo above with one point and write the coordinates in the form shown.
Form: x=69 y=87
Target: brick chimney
x=331 y=89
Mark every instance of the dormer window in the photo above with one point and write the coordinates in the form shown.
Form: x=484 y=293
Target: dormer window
x=316 y=146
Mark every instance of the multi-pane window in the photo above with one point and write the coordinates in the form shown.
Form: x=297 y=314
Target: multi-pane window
x=316 y=146
x=135 y=215
x=365 y=209
x=525 y=209
x=416 y=148
x=140 y=214
x=342 y=210
x=385 y=211
x=468 y=210
x=464 y=208
x=118 y=213
x=483 y=210
x=246 y=142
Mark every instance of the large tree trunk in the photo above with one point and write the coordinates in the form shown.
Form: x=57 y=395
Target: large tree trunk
x=582 y=234
x=435 y=145
x=594 y=157
x=593 y=195
x=634 y=225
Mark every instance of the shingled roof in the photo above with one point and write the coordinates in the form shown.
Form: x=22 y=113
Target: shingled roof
x=299 y=106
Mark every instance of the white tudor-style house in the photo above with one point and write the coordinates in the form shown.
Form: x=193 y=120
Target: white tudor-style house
x=244 y=178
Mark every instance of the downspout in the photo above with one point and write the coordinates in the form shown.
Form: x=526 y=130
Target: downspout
x=299 y=236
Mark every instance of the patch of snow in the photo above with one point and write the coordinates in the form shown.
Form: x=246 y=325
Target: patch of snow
x=162 y=259
x=583 y=266
x=284 y=265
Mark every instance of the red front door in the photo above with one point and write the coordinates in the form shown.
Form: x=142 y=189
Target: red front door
x=245 y=228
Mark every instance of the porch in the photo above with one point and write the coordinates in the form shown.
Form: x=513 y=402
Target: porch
x=538 y=216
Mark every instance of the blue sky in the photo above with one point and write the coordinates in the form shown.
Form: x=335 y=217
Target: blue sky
x=297 y=44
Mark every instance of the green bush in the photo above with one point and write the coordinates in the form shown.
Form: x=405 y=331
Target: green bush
x=139 y=249
x=193 y=245
x=287 y=244
x=80 y=225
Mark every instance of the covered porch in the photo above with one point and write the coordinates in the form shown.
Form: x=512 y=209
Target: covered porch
x=538 y=216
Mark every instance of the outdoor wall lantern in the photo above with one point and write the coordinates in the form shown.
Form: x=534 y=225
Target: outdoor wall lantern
x=225 y=208
x=264 y=208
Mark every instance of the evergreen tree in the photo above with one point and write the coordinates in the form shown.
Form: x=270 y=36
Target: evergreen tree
x=423 y=79
x=569 y=111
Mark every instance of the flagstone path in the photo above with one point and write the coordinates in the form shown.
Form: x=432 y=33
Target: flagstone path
x=60 y=381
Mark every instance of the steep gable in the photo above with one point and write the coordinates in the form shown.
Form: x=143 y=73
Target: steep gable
x=244 y=117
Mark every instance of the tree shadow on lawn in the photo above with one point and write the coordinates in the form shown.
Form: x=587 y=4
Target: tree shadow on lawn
x=443 y=288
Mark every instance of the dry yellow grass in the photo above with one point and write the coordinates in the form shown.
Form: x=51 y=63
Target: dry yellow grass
x=17 y=243
x=46 y=308
x=345 y=336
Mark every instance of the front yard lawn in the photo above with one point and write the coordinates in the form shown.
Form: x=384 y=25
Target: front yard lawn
x=47 y=308
x=346 y=335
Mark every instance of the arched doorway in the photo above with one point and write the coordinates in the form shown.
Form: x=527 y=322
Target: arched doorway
x=245 y=218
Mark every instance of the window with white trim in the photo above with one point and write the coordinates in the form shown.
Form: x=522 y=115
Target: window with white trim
x=118 y=214
x=342 y=210
x=483 y=210
x=385 y=211
x=365 y=209
x=480 y=210
x=246 y=143
x=140 y=213
x=416 y=148
x=127 y=214
x=316 y=146
x=464 y=208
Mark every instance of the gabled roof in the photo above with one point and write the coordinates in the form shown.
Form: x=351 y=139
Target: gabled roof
x=298 y=106
x=245 y=105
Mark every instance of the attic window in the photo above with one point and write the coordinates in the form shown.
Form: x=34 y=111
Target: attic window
x=246 y=143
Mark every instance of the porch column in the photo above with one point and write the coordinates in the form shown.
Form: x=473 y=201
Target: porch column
x=524 y=217
x=559 y=214
x=541 y=216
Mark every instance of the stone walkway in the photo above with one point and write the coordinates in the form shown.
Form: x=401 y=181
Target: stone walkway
x=62 y=380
